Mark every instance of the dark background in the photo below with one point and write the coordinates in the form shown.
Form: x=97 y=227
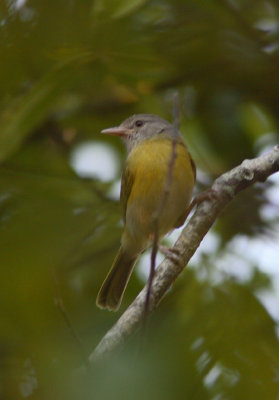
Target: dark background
x=69 y=69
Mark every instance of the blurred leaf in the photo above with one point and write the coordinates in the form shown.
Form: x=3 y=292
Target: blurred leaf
x=29 y=110
x=116 y=9
x=68 y=71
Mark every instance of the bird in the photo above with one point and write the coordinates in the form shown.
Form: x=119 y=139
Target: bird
x=149 y=143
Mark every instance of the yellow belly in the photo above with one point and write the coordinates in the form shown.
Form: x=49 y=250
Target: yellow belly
x=148 y=163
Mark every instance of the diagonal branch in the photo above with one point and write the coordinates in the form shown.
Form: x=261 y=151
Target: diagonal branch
x=226 y=187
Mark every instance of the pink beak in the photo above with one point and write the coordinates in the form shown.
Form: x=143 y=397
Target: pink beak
x=117 y=131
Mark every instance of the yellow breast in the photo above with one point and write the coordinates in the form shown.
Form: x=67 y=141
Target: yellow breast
x=148 y=164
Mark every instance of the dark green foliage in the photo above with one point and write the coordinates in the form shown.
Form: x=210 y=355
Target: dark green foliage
x=69 y=69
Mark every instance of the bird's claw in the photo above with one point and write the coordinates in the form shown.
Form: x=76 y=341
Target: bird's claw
x=171 y=253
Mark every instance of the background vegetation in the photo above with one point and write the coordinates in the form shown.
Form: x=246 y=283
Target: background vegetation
x=70 y=68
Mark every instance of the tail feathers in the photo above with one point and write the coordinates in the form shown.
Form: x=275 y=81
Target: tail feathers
x=113 y=287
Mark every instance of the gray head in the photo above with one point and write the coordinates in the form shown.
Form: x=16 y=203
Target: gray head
x=140 y=127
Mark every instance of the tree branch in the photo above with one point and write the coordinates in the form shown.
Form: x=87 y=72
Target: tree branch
x=226 y=187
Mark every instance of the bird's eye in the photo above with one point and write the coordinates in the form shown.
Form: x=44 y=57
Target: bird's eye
x=139 y=123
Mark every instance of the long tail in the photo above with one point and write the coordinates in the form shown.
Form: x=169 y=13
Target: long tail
x=113 y=287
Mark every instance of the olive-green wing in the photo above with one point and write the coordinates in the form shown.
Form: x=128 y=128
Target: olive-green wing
x=126 y=188
x=193 y=166
x=183 y=217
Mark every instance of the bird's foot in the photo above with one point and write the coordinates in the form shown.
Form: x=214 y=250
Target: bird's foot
x=171 y=253
x=209 y=195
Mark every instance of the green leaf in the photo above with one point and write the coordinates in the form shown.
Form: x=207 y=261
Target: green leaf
x=27 y=111
x=116 y=9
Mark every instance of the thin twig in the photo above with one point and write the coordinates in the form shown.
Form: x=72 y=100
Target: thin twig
x=157 y=216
